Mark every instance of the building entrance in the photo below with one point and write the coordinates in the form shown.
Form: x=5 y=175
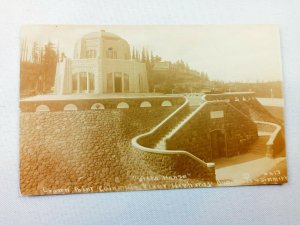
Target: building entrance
x=218 y=143
x=118 y=84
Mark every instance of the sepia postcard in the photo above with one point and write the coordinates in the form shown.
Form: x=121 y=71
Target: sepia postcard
x=123 y=108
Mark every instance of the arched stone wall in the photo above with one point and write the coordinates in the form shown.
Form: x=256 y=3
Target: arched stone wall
x=97 y=106
x=166 y=103
x=70 y=107
x=108 y=103
x=145 y=104
x=123 y=105
x=42 y=108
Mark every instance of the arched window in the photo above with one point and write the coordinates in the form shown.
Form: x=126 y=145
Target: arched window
x=70 y=107
x=166 y=103
x=42 y=108
x=97 y=106
x=91 y=82
x=83 y=81
x=126 y=83
x=118 y=82
x=122 y=105
x=74 y=82
x=145 y=104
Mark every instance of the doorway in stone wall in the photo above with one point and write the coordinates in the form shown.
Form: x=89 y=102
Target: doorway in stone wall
x=118 y=84
x=218 y=143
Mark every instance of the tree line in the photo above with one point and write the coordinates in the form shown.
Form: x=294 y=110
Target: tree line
x=178 y=77
x=38 y=67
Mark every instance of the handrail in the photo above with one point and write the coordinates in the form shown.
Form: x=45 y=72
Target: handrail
x=274 y=133
x=189 y=117
x=169 y=117
x=228 y=94
x=200 y=108
x=135 y=143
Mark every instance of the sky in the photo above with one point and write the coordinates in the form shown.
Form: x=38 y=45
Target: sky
x=244 y=53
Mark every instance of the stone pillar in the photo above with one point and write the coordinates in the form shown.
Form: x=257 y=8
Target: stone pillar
x=88 y=82
x=113 y=78
x=123 y=83
x=78 y=83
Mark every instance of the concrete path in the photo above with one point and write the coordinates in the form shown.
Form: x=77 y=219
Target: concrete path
x=278 y=102
x=239 y=169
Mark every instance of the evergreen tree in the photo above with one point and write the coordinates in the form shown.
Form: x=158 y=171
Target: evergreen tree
x=147 y=57
x=49 y=67
x=34 y=53
x=133 y=54
x=143 y=59
x=137 y=55
x=152 y=59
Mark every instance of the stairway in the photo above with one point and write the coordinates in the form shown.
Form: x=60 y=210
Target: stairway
x=162 y=142
x=259 y=146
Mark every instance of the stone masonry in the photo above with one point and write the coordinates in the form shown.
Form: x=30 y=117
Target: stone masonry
x=194 y=136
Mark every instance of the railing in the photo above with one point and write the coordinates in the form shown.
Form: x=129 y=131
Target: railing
x=231 y=96
x=274 y=139
x=139 y=141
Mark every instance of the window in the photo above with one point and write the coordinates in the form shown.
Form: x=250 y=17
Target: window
x=166 y=103
x=126 y=82
x=97 y=106
x=118 y=82
x=145 y=104
x=122 y=105
x=74 y=82
x=109 y=53
x=83 y=81
x=91 y=53
x=42 y=108
x=92 y=81
x=70 y=107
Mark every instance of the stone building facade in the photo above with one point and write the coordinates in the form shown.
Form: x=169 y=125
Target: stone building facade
x=101 y=64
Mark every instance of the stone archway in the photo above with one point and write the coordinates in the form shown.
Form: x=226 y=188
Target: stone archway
x=123 y=105
x=70 y=107
x=42 y=108
x=97 y=106
x=145 y=104
x=166 y=103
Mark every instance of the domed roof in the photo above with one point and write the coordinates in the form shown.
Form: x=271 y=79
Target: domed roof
x=102 y=34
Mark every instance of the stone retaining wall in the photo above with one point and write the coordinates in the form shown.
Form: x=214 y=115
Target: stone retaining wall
x=275 y=143
x=194 y=136
x=59 y=150
x=176 y=165
x=151 y=140
x=107 y=103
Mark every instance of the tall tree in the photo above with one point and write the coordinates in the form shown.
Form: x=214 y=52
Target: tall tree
x=35 y=53
x=133 y=54
x=49 y=67
x=143 y=60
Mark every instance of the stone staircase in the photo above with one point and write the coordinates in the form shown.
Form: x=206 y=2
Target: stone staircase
x=161 y=144
x=259 y=146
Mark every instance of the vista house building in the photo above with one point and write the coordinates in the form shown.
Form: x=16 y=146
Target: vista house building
x=102 y=64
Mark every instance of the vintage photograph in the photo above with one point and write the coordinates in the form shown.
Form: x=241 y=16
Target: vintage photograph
x=125 y=108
